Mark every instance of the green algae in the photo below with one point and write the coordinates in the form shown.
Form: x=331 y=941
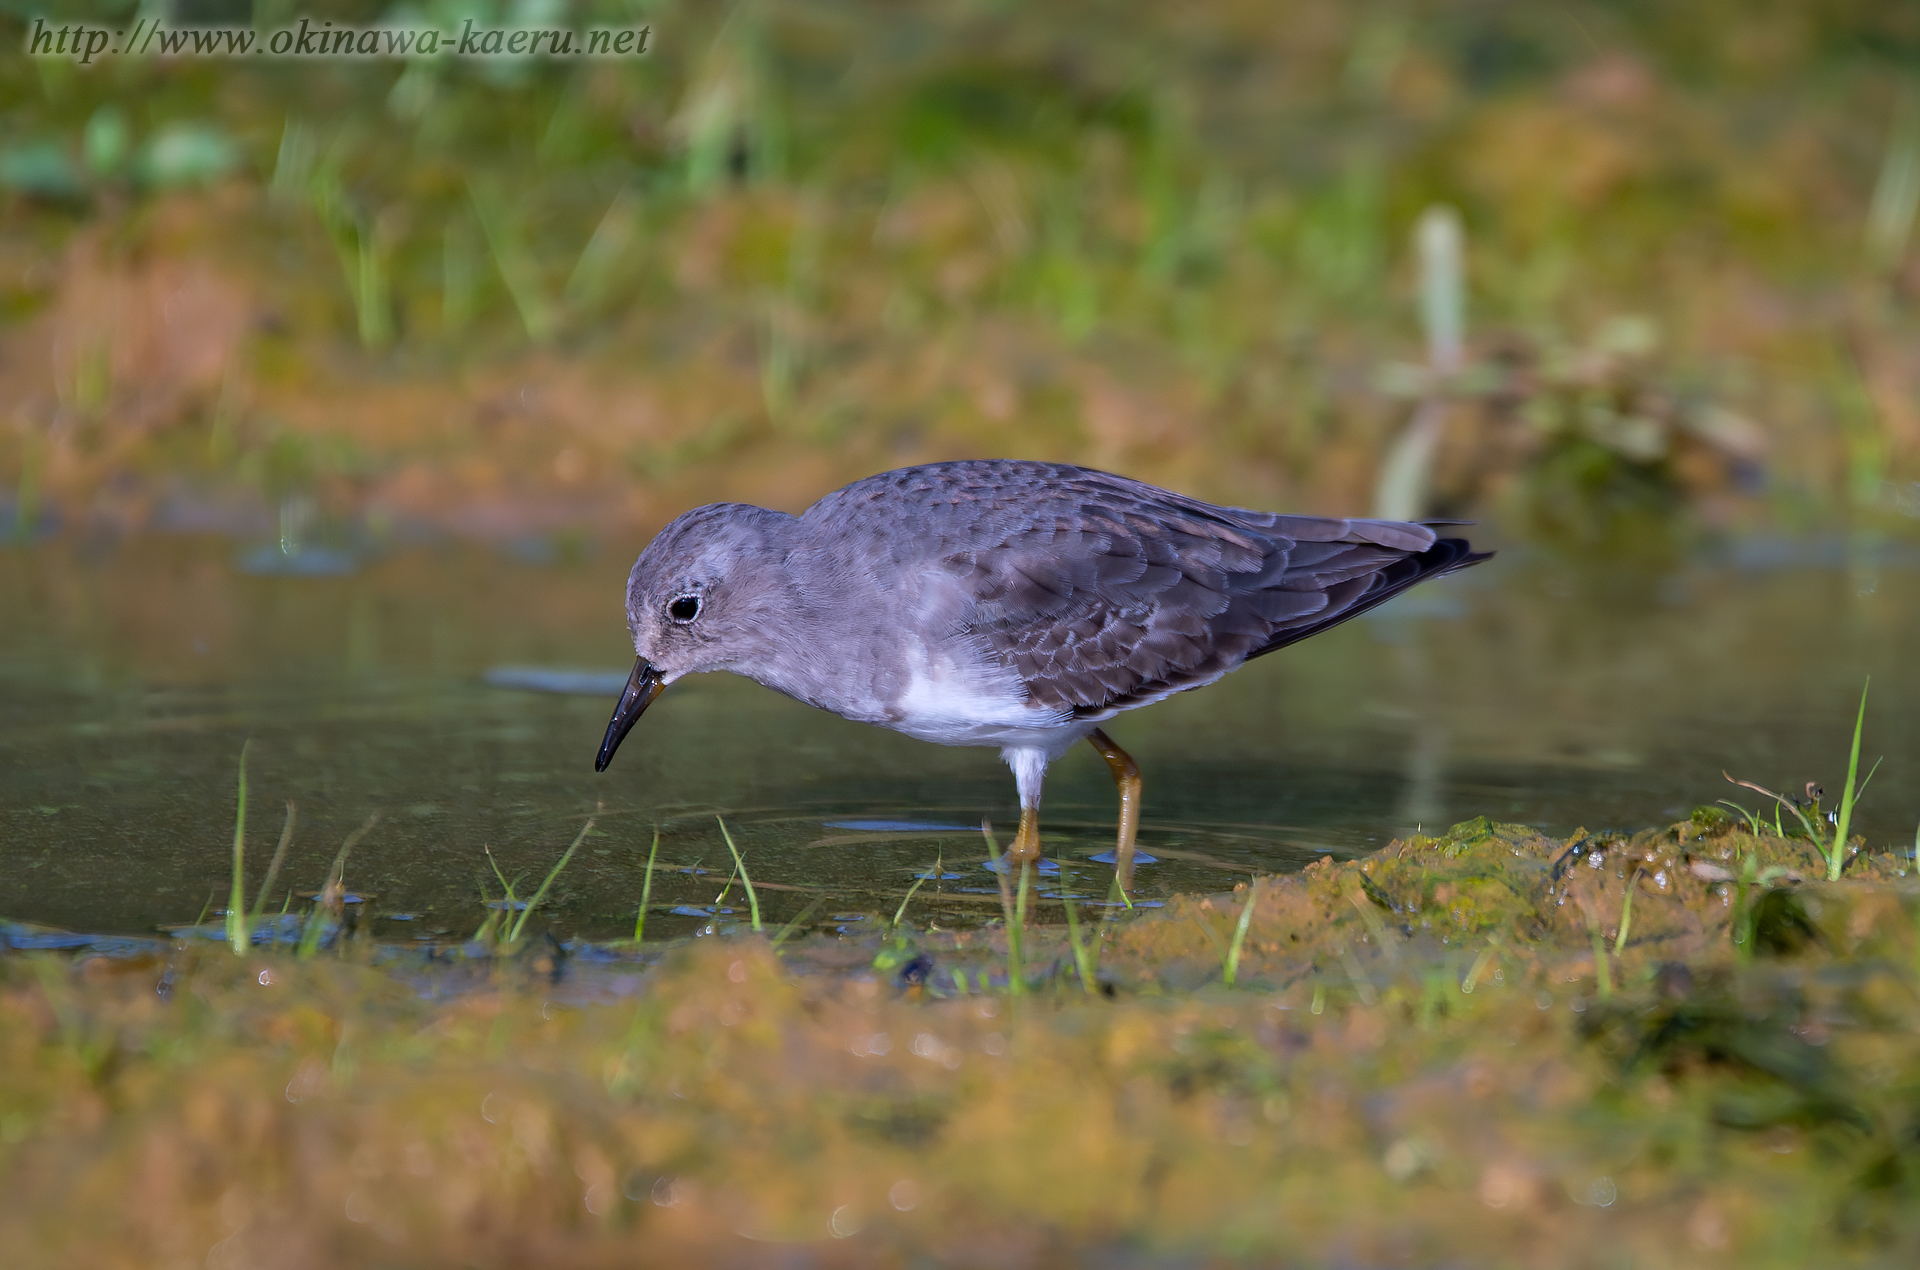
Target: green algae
x=1415 y=1068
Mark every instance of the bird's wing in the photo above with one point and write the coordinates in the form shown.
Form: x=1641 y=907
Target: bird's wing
x=1101 y=592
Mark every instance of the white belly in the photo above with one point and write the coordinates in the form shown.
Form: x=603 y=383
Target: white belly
x=975 y=703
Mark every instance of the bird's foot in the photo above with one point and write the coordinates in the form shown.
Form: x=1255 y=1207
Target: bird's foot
x=1026 y=844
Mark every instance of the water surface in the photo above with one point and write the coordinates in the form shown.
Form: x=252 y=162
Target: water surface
x=1528 y=689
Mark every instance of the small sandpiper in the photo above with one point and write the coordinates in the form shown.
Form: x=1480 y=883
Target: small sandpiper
x=1002 y=603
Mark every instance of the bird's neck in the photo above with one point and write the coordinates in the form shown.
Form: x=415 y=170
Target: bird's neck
x=823 y=613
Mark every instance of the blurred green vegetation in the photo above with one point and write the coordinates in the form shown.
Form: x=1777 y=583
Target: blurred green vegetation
x=799 y=242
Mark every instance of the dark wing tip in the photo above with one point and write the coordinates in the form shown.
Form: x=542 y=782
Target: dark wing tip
x=1447 y=555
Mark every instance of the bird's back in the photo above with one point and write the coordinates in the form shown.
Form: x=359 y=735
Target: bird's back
x=1101 y=592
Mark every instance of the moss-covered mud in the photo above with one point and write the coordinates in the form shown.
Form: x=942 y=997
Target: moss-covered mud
x=1421 y=1063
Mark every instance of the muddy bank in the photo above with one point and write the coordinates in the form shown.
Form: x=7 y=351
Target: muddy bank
x=1420 y=1063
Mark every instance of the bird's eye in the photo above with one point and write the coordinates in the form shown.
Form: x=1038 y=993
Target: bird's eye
x=684 y=609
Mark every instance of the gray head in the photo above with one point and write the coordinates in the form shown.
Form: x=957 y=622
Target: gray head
x=703 y=596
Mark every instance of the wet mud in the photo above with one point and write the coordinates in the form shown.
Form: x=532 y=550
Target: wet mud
x=1447 y=1052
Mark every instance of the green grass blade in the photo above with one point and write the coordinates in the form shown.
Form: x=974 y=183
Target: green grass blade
x=1082 y=959
x=1213 y=937
x=1868 y=778
x=1231 y=969
x=1006 y=883
x=26 y=498
x=238 y=934
x=1017 y=937
x=516 y=264
x=1753 y=820
x=1813 y=827
x=901 y=912
x=1479 y=966
x=646 y=888
x=753 y=898
x=1015 y=914
x=603 y=250
x=726 y=890
x=279 y=858
x=780 y=937
x=331 y=894
x=312 y=931
x=505 y=885
x=1837 y=859
x=1742 y=929
x=513 y=937
x=1626 y=914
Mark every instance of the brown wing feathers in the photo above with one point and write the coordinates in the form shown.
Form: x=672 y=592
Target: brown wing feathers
x=1101 y=592
x=1103 y=608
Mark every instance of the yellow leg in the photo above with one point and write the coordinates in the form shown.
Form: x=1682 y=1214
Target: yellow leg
x=1026 y=843
x=1126 y=779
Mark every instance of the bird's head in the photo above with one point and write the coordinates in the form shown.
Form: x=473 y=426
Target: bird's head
x=701 y=597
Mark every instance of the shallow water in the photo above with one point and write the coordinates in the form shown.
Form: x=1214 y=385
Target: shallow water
x=1528 y=689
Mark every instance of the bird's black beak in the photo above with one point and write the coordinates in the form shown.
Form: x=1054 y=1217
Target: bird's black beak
x=643 y=685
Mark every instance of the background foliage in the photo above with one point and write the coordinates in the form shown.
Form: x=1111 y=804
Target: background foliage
x=800 y=242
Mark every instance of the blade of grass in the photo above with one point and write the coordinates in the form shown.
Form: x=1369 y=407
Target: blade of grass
x=753 y=899
x=1017 y=934
x=721 y=898
x=332 y=896
x=1753 y=820
x=513 y=936
x=1016 y=971
x=238 y=935
x=1362 y=982
x=1837 y=860
x=1741 y=931
x=279 y=858
x=1082 y=959
x=1232 y=967
x=505 y=886
x=1213 y=936
x=1479 y=966
x=1868 y=779
x=516 y=264
x=610 y=238
x=1000 y=874
x=901 y=912
x=646 y=888
x=1376 y=929
x=780 y=937
x=1779 y=801
x=1626 y=914
x=337 y=875
x=26 y=498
